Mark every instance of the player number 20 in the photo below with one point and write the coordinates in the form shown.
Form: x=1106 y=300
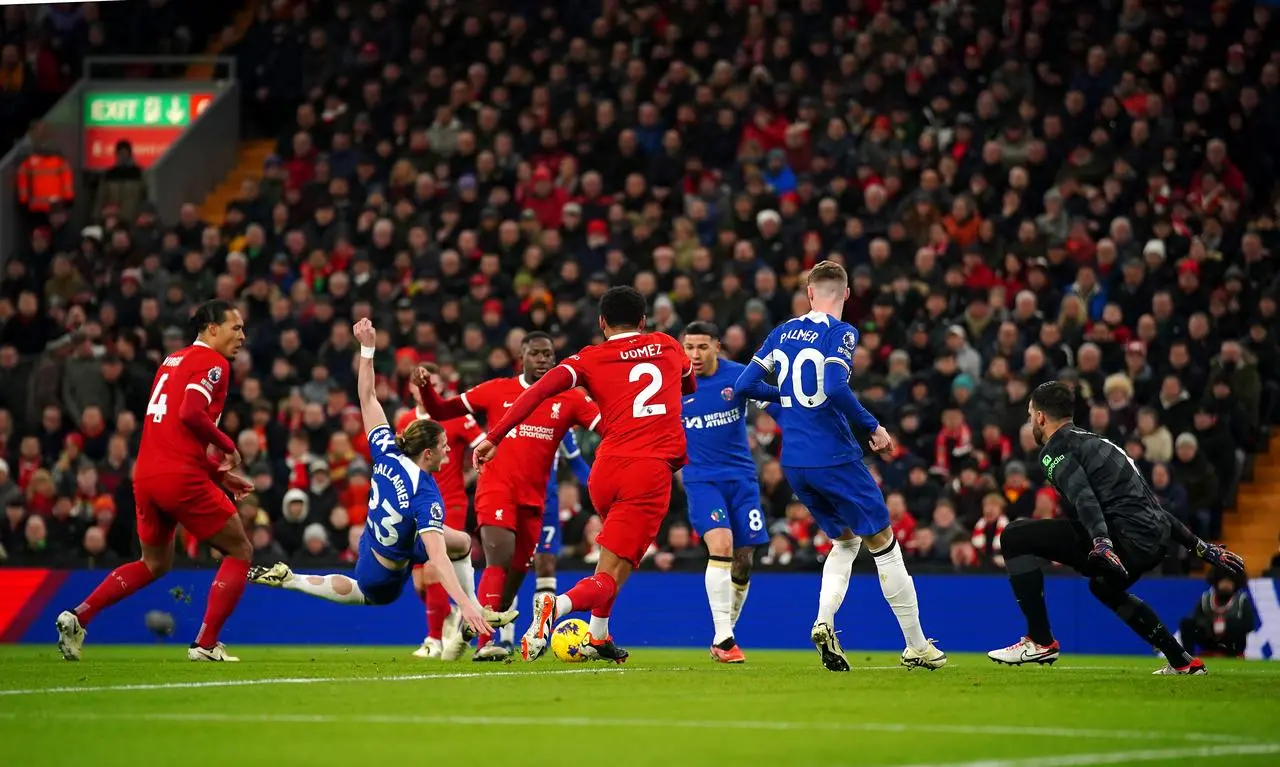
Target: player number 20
x=384 y=529
x=782 y=365
x=641 y=407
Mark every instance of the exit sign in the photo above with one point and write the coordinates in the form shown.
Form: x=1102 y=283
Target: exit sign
x=144 y=110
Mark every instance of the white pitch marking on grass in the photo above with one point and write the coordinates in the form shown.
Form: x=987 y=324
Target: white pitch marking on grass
x=540 y=721
x=305 y=680
x=1120 y=757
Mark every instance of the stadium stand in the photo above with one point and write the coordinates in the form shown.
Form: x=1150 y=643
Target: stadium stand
x=1021 y=190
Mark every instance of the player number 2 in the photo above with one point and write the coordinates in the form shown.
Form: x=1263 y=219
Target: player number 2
x=782 y=365
x=755 y=520
x=641 y=408
x=159 y=403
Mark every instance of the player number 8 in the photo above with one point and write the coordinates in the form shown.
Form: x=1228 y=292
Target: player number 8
x=755 y=520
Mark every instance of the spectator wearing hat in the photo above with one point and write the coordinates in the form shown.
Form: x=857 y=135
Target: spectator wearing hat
x=1192 y=470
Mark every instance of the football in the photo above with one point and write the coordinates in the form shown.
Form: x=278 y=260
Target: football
x=566 y=640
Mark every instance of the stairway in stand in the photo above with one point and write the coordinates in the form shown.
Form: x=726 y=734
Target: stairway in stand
x=1251 y=529
x=248 y=165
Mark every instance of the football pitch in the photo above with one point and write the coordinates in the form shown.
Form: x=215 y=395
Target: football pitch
x=333 y=706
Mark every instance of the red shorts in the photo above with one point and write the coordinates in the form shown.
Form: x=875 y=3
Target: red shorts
x=166 y=501
x=632 y=496
x=455 y=514
x=498 y=510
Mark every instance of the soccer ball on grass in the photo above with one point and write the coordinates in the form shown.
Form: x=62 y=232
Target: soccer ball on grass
x=567 y=639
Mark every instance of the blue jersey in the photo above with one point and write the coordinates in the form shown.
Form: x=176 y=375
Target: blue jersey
x=404 y=501
x=715 y=428
x=798 y=352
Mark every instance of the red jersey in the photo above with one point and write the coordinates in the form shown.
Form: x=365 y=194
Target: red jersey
x=461 y=433
x=168 y=444
x=636 y=381
x=523 y=468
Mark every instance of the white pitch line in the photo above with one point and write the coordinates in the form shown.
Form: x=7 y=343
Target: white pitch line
x=541 y=721
x=1120 y=757
x=304 y=680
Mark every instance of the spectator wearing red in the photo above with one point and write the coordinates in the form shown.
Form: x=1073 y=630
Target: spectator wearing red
x=544 y=198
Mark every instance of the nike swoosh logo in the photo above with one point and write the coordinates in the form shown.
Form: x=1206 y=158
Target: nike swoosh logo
x=1033 y=655
x=508 y=404
x=689 y=401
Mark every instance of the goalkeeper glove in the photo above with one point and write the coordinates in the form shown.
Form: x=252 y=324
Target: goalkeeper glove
x=1104 y=556
x=1220 y=557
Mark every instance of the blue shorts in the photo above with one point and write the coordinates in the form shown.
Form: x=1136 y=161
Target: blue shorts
x=379 y=584
x=549 y=540
x=731 y=503
x=840 y=497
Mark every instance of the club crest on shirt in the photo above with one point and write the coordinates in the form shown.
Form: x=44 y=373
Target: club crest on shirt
x=555 y=410
x=726 y=394
x=717 y=515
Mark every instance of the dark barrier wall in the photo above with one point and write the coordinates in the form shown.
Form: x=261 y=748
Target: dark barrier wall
x=964 y=613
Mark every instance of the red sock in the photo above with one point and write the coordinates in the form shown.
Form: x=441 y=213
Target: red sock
x=437 y=610
x=603 y=610
x=593 y=593
x=225 y=592
x=489 y=593
x=120 y=583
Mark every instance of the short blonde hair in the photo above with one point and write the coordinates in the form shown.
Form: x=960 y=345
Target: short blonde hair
x=829 y=273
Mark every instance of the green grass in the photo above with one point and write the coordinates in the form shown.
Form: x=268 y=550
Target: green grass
x=663 y=708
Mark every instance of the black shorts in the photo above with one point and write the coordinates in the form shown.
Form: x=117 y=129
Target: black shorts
x=1067 y=542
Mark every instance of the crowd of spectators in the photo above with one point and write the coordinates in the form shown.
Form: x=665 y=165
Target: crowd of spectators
x=1020 y=190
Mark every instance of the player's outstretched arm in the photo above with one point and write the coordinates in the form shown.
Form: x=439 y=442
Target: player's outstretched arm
x=835 y=383
x=366 y=390
x=439 y=408
x=558 y=380
x=751 y=383
x=1215 y=554
x=437 y=556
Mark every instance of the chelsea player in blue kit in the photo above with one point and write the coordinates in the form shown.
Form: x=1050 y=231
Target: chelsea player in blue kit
x=720 y=483
x=406 y=518
x=811 y=357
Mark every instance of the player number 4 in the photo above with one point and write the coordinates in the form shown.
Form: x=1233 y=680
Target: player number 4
x=640 y=408
x=159 y=403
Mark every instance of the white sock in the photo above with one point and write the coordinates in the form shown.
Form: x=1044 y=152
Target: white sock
x=739 y=599
x=836 y=571
x=720 y=598
x=543 y=585
x=335 y=588
x=900 y=592
x=599 y=627
x=466 y=573
x=564 y=606
x=508 y=632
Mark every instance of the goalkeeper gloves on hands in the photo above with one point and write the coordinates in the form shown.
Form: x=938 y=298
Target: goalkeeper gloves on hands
x=1104 y=555
x=1220 y=557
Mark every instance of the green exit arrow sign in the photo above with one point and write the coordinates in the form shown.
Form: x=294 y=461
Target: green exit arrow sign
x=139 y=110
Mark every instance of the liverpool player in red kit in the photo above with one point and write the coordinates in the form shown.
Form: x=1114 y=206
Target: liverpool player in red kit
x=637 y=379
x=176 y=482
x=510 y=494
x=461 y=434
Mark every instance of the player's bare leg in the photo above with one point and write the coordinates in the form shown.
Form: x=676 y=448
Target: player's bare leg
x=718 y=581
x=427 y=586
x=595 y=593
x=836 y=571
x=900 y=592
x=228 y=585
x=740 y=575
x=126 y=579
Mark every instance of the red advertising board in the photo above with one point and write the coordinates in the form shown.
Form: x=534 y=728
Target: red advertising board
x=149 y=144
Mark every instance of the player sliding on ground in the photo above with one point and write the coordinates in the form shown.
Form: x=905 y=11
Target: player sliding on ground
x=406 y=518
x=637 y=379
x=1115 y=530
x=461 y=434
x=176 y=483
x=811 y=358
x=720 y=483
x=510 y=495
